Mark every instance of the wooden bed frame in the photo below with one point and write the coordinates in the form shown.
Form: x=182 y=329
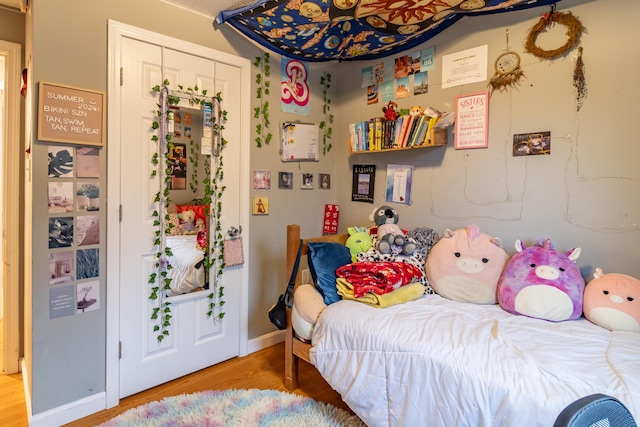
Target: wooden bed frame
x=295 y=348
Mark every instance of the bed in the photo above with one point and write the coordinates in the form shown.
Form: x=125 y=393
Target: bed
x=438 y=362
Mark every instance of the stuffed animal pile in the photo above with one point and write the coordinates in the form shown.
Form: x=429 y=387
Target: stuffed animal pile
x=469 y=266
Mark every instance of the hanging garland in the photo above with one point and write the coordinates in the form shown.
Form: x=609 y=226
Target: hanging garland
x=214 y=252
x=566 y=19
x=262 y=91
x=325 y=125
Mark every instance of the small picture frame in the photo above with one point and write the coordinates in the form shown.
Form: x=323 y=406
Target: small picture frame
x=285 y=180
x=260 y=206
x=325 y=181
x=306 y=181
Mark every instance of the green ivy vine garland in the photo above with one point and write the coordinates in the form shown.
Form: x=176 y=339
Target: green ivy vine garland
x=214 y=252
x=325 y=125
x=262 y=91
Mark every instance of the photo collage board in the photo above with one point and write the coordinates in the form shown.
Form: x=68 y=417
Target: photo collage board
x=73 y=196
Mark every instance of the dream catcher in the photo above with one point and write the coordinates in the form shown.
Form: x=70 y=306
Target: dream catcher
x=508 y=72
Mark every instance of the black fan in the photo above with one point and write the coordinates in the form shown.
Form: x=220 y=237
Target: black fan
x=595 y=410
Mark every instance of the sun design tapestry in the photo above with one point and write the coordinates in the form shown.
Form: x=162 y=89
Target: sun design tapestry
x=329 y=30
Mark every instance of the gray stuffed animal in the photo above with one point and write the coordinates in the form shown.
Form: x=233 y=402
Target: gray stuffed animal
x=391 y=238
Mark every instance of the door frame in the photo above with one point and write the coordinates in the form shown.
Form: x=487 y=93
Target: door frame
x=11 y=153
x=116 y=32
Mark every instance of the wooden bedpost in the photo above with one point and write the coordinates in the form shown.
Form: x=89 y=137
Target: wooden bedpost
x=290 y=360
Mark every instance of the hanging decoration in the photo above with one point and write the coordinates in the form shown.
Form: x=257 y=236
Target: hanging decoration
x=262 y=91
x=574 y=31
x=326 y=124
x=508 y=72
x=337 y=30
x=579 y=82
x=159 y=279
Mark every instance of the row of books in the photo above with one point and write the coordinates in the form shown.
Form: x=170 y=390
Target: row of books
x=406 y=131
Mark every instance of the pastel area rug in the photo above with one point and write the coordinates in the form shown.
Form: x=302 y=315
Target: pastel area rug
x=236 y=408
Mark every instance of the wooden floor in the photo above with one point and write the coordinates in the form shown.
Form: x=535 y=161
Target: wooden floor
x=263 y=369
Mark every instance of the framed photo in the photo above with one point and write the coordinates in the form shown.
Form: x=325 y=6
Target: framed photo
x=72 y=115
x=261 y=180
x=285 y=180
x=325 y=181
x=260 y=206
x=472 y=121
x=306 y=182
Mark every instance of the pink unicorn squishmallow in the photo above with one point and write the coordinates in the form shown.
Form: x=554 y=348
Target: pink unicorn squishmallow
x=613 y=301
x=542 y=282
x=465 y=265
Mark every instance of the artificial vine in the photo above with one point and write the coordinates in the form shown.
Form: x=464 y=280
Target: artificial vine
x=262 y=91
x=159 y=281
x=325 y=125
x=194 y=149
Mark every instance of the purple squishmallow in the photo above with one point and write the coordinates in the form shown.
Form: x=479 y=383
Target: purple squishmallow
x=542 y=282
x=465 y=265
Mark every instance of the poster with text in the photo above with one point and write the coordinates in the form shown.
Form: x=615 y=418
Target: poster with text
x=363 y=183
x=472 y=121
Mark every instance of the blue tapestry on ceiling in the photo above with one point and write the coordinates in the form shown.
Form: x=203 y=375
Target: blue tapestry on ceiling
x=328 y=30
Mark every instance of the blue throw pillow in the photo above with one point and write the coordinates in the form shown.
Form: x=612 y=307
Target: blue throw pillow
x=324 y=258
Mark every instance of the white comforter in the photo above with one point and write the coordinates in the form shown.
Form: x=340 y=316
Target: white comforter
x=435 y=362
x=185 y=277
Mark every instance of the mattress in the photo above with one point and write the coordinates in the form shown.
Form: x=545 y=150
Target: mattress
x=438 y=362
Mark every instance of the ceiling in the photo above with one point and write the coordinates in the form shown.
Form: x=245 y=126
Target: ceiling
x=339 y=30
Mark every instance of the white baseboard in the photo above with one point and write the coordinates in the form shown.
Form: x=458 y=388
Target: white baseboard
x=70 y=412
x=265 y=341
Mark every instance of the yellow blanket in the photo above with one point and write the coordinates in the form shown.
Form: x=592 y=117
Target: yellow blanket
x=403 y=294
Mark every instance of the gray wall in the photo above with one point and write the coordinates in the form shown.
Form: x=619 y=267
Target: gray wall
x=584 y=194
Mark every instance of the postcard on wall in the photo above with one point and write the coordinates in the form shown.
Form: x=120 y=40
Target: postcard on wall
x=428 y=59
x=60 y=162
x=61 y=301
x=61 y=267
x=60 y=197
x=532 y=144
x=399 y=179
x=363 y=183
x=88 y=296
x=464 y=67
x=472 y=121
x=88 y=263
x=60 y=232
x=87 y=230
x=88 y=196
x=88 y=159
